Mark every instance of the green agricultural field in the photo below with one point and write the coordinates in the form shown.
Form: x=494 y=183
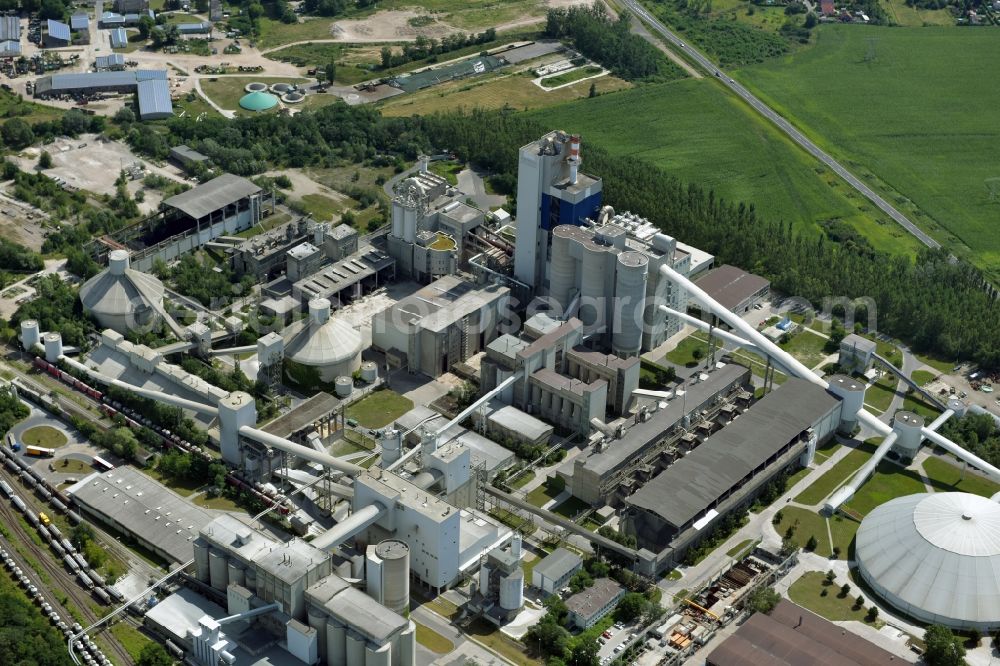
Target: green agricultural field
x=937 y=150
x=701 y=134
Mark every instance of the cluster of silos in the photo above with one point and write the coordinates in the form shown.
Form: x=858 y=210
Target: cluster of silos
x=339 y=645
x=852 y=398
x=322 y=347
x=121 y=298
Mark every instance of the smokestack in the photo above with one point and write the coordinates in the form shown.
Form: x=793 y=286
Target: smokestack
x=574 y=158
x=423 y=160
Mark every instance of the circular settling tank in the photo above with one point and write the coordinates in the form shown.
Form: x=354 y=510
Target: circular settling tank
x=292 y=97
x=256 y=86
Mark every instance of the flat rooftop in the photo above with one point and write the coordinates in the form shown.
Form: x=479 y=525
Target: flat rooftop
x=145 y=507
x=443 y=302
x=288 y=561
x=343 y=274
x=513 y=419
x=557 y=564
x=305 y=414
x=688 y=487
x=730 y=285
x=590 y=600
x=356 y=609
x=644 y=433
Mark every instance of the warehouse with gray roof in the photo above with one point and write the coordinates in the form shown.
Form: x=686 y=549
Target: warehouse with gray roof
x=151 y=85
x=725 y=472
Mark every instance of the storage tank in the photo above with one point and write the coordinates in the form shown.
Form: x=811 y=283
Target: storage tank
x=321 y=348
x=907 y=426
x=512 y=590
x=217 y=568
x=236 y=573
x=630 y=297
x=378 y=656
x=390 y=443
x=355 y=648
x=53 y=347
x=201 y=571
x=30 y=334
x=369 y=372
x=562 y=273
x=957 y=406
x=408 y=644
x=317 y=620
x=592 y=284
x=336 y=643
x=343 y=386
x=121 y=298
x=395 y=556
x=852 y=396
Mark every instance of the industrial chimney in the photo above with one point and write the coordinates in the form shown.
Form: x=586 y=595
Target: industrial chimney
x=574 y=158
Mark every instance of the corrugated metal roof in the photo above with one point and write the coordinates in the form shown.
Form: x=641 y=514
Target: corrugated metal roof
x=558 y=563
x=110 y=61
x=79 y=22
x=90 y=80
x=10 y=28
x=10 y=47
x=154 y=99
x=685 y=489
x=150 y=75
x=731 y=286
x=57 y=30
x=193 y=28
x=213 y=195
x=119 y=38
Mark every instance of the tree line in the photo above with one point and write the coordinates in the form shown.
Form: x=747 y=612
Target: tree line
x=429 y=47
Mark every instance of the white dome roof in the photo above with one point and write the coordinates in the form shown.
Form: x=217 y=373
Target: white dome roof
x=936 y=557
x=122 y=298
x=329 y=343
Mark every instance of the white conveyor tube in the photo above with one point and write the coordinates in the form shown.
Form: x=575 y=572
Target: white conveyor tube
x=184 y=403
x=478 y=403
x=705 y=326
x=304 y=452
x=348 y=527
x=957 y=451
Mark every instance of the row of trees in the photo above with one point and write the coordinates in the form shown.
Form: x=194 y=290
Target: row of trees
x=977 y=433
x=428 y=47
x=610 y=42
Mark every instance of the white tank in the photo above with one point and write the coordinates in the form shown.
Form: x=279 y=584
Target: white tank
x=408 y=645
x=343 y=386
x=562 y=274
x=512 y=591
x=484 y=577
x=30 y=335
x=118 y=262
x=395 y=556
x=665 y=244
x=355 y=648
x=336 y=643
x=236 y=573
x=907 y=426
x=515 y=546
x=53 y=347
x=391 y=445
x=630 y=296
x=317 y=620
x=378 y=656
x=397 y=220
x=852 y=395
x=319 y=310
x=592 y=281
x=958 y=407
x=218 y=570
x=201 y=562
x=369 y=372
x=409 y=215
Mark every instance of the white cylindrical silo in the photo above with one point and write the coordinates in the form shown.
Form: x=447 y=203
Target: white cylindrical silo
x=484 y=577
x=336 y=643
x=593 y=299
x=907 y=426
x=118 y=262
x=562 y=274
x=395 y=556
x=391 y=446
x=397 y=219
x=218 y=569
x=378 y=656
x=319 y=311
x=515 y=546
x=343 y=386
x=236 y=573
x=957 y=406
x=408 y=645
x=30 y=334
x=369 y=372
x=630 y=297
x=409 y=224
x=201 y=562
x=355 y=648
x=852 y=396
x=53 y=347
x=317 y=620
x=512 y=591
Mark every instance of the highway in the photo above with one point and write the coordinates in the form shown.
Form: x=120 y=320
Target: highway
x=782 y=124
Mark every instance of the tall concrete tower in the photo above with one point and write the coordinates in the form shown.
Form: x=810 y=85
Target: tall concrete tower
x=551 y=191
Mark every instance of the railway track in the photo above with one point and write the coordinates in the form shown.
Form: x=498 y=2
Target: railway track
x=60 y=579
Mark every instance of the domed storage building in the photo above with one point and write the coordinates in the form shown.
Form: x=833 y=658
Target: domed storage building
x=935 y=557
x=121 y=298
x=258 y=101
x=321 y=348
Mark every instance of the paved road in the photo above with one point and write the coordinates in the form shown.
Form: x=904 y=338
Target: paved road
x=785 y=126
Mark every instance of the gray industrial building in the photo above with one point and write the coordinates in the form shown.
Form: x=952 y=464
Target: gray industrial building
x=643 y=444
x=734 y=288
x=485 y=453
x=679 y=506
x=554 y=570
x=185 y=156
x=10 y=29
x=856 y=353
x=151 y=85
x=440 y=325
x=589 y=605
x=57 y=34
x=267 y=254
x=131 y=503
x=118 y=38
x=112 y=62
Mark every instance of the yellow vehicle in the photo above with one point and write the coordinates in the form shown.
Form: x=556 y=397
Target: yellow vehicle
x=45 y=519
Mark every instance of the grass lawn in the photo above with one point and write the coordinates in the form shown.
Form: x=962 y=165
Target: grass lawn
x=226 y=91
x=447 y=169
x=321 y=207
x=936 y=363
x=275 y=33
x=684 y=352
x=807 y=347
x=880 y=394
x=570 y=76
x=507 y=647
x=945 y=477
x=493 y=92
x=739 y=548
x=346 y=447
x=130 y=638
x=432 y=640
x=571 y=508
x=807 y=592
x=888 y=482
x=72 y=466
x=914 y=17
x=932 y=155
x=700 y=133
x=799 y=475
x=442 y=607
x=221 y=503
x=834 y=478
x=807 y=523
x=923 y=377
x=379 y=409
x=523 y=479
x=916 y=404
x=541 y=495
x=44 y=436
x=182 y=488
